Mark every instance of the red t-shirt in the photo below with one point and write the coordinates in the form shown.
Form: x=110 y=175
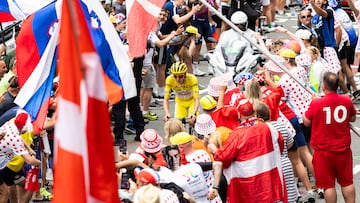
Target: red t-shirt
x=330 y=117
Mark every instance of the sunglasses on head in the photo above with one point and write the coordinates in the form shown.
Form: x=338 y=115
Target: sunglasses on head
x=308 y=16
x=179 y=76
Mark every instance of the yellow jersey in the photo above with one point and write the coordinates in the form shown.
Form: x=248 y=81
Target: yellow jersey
x=187 y=91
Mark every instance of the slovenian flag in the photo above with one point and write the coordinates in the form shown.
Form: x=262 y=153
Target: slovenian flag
x=11 y=10
x=37 y=56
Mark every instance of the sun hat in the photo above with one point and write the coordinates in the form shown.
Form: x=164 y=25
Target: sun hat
x=214 y=87
x=147 y=176
x=151 y=141
x=147 y=194
x=271 y=66
x=227 y=79
x=303 y=34
x=20 y=120
x=242 y=77
x=245 y=107
x=207 y=102
x=180 y=138
x=204 y=124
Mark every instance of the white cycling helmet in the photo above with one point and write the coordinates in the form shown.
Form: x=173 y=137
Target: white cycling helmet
x=239 y=17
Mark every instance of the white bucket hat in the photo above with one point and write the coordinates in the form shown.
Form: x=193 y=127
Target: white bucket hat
x=204 y=125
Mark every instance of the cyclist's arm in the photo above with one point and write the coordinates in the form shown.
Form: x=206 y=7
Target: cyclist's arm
x=167 y=91
x=195 y=89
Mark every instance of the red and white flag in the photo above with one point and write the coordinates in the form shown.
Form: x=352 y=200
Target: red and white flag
x=142 y=16
x=84 y=162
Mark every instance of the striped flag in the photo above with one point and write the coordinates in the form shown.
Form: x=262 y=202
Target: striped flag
x=144 y=13
x=84 y=162
x=36 y=61
x=11 y=10
x=37 y=55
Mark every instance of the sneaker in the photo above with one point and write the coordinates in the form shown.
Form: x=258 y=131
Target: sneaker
x=310 y=197
x=154 y=104
x=159 y=100
x=130 y=129
x=300 y=199
x=45 y=193
x=199 y=73
x=269 y=29
x=356 y=94
x=320 y=192
x=150 y=116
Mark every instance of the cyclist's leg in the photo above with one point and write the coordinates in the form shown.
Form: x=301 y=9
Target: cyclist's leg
x=181 y=109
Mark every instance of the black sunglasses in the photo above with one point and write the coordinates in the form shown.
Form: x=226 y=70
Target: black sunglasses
x=308 y=16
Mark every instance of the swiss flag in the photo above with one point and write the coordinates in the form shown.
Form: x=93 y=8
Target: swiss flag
x=142 y=17
x=84 y=162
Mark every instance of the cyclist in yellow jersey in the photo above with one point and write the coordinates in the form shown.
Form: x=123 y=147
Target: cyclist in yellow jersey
x=186 y=89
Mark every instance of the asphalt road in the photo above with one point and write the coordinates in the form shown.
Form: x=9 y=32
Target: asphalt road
x=288 y=22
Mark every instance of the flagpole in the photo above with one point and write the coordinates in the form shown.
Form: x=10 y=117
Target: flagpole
x=265 y=52
x=3 y=36
x=76 y=34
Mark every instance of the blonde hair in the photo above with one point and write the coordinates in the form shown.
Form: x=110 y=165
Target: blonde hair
x=253 y=91
x=314 y=52
x=172 y=127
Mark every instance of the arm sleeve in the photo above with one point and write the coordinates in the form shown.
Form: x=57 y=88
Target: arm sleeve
x=228 y=152
x=167 y=89
x=195 y=88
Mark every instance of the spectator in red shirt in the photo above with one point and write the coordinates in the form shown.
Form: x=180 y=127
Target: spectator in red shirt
x=330 y=119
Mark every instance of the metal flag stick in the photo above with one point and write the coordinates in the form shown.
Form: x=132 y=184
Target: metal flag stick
x=266 y=53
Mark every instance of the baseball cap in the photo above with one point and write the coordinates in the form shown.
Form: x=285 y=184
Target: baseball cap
x=147 y=176
x=180 y=138
x=245 y=107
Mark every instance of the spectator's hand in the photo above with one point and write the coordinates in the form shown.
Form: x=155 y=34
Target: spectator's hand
x=32 y=152
x=212 y=193
x=123 y=157
x=179 y=30
x=192 y=120
x=166 y=117
x=280 y=29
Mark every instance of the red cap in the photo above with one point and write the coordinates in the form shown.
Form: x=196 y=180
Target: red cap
x=245 y=107
x=147 y=176
x=20 y=120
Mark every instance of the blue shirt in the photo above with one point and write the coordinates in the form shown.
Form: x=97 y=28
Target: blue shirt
x=325 y=29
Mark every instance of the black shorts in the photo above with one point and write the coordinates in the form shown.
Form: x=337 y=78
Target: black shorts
x=217 y=20
x=343 y=53
x=204 y=29
x=10 y=177
x=351 y=54
x=160 y=57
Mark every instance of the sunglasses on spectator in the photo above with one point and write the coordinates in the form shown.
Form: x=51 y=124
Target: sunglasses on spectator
x=308 y=16
x=179 y=76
